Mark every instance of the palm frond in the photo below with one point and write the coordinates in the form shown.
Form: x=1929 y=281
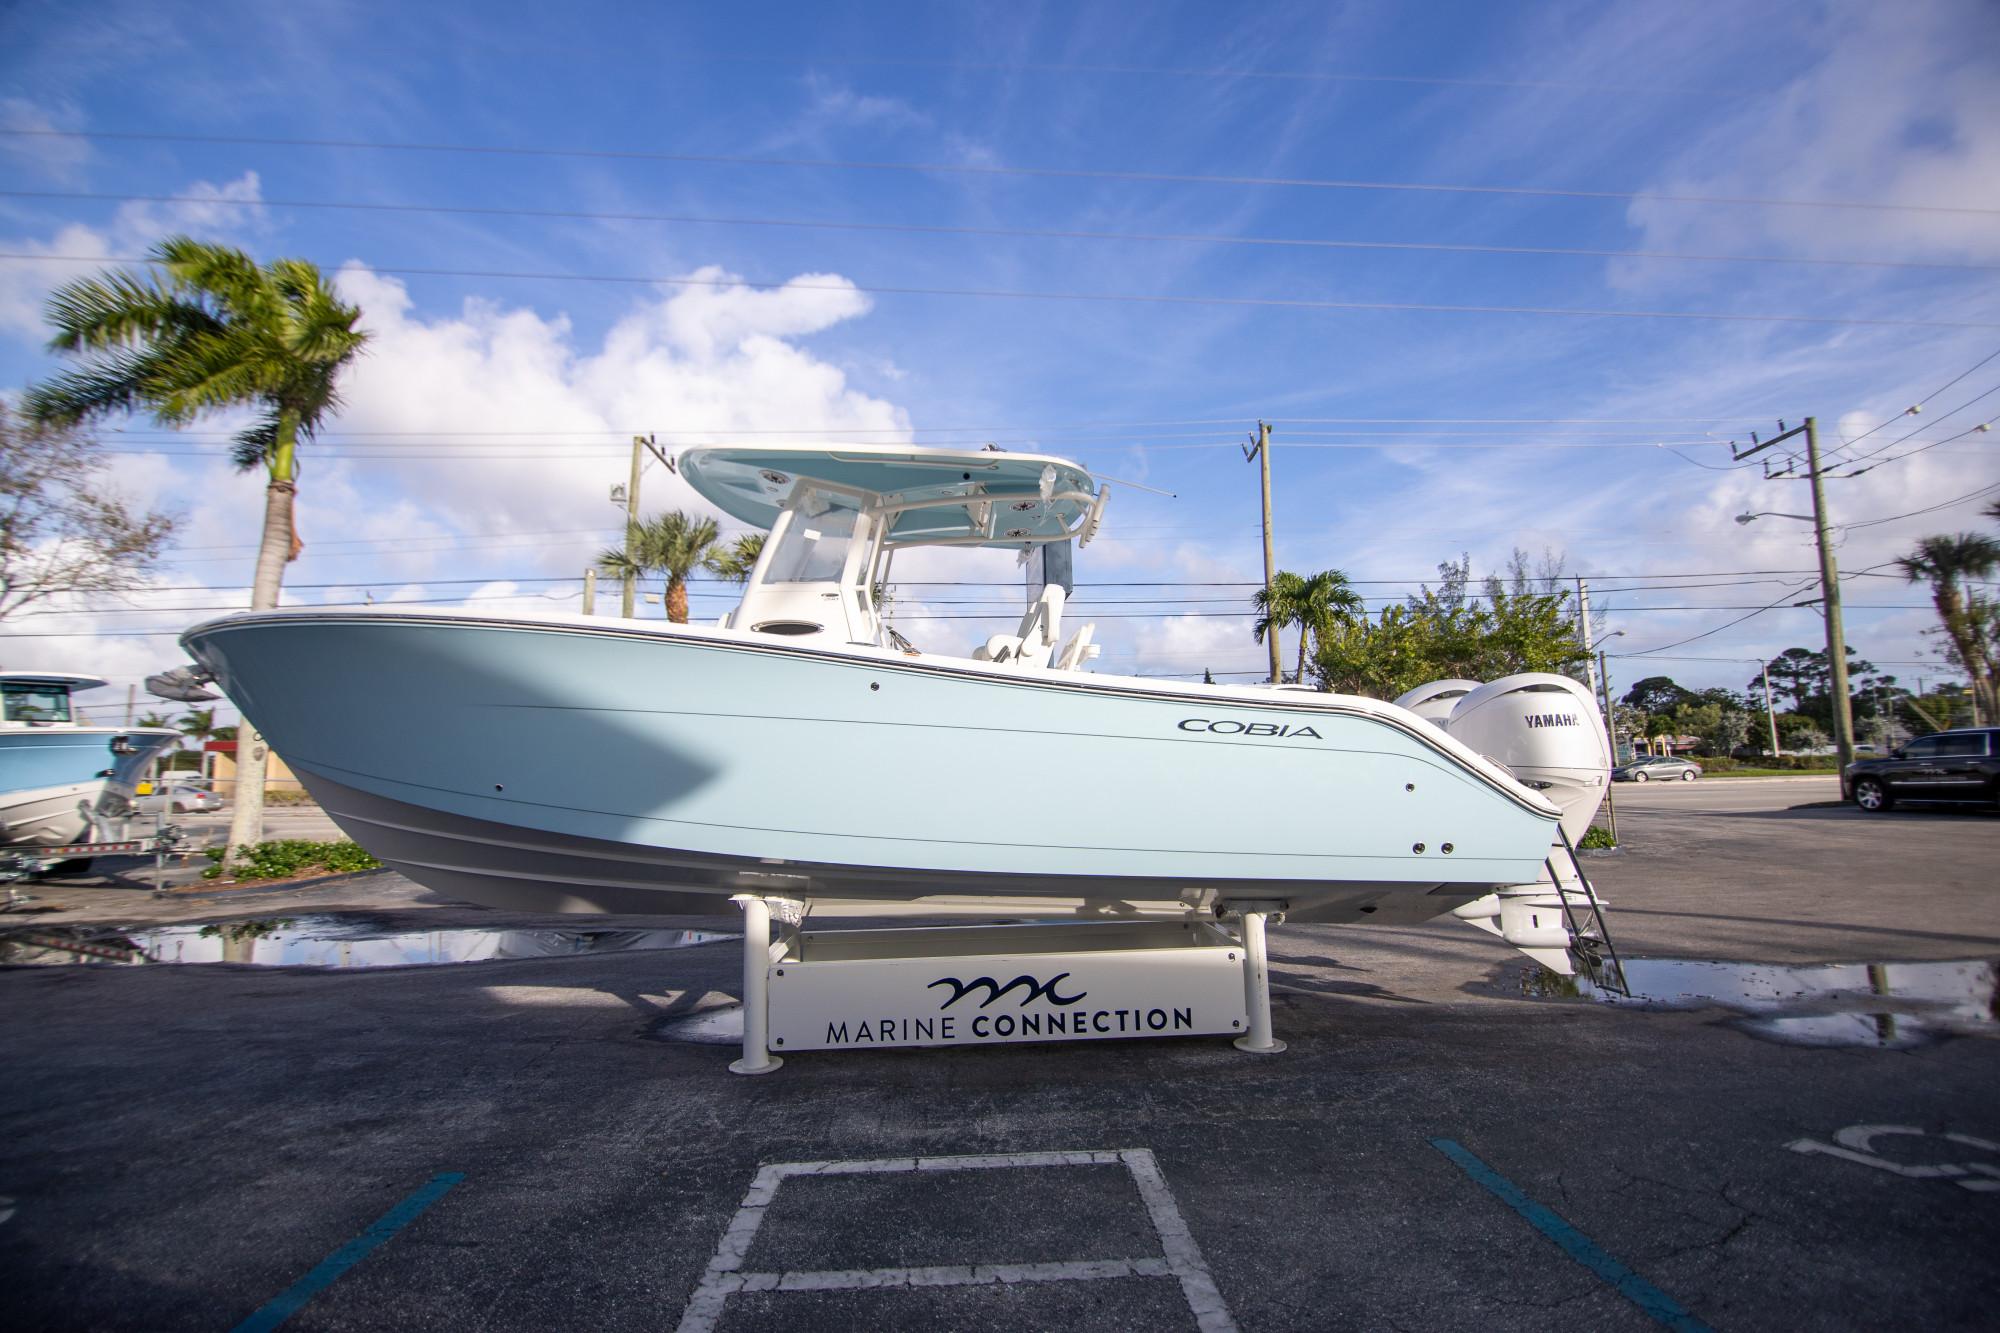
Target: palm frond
x=253 y=445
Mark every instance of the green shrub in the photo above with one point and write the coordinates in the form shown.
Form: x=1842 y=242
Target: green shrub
x=1596 y=837
x=287 y=857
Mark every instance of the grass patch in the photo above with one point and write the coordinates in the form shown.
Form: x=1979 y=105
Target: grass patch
x=288 y=858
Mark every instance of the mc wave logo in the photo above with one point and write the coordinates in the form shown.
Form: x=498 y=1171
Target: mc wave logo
x=1031 y=990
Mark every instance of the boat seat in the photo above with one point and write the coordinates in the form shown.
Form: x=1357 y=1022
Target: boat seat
x=1034 y=642
x=999 y=648
x=1080 y=649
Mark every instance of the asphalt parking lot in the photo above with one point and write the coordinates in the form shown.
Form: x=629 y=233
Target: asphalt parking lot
x=513 y=1145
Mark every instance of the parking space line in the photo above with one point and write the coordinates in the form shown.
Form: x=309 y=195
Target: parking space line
x=1181 y=1258
x=289 y=1301
x=1656 y=1304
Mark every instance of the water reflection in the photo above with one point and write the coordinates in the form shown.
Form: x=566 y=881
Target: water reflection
x=1892 y=1005
x=326 y=941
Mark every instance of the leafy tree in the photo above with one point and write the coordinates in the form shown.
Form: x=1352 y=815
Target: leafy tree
x=212 y=331
x=1796 y=674
x=1721 y=729
x=60 y=530
x=1949 y=564
x=675 y=544
x=1441 y=632
x=1658 y=694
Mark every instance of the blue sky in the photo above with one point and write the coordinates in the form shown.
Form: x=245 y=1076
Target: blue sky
x=492 y=413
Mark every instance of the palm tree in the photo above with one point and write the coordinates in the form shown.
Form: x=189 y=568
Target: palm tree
x=735 y=561
x=1327 y=600
x=198 y=725
x=675 y=544
x=1947 y=563
x=212 y=331
x=1311 y=603
x=1278 y=605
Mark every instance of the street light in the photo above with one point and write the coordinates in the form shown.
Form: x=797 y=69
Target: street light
x=1836 y=640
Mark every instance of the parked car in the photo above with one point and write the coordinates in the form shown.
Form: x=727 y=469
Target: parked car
x=183 y=797
x=1656 y=768
x=1962 y=765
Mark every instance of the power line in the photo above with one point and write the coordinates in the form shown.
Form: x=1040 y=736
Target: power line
x=1990 y=356
x=1015 y=233
x=1922 y=448
x=1127 y=298
x=987 y=169
x=1316 y=76
x=1929 y=509
x=1901 y=439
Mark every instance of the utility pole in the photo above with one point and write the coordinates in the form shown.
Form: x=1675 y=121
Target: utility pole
x=1583 y=629
x=590 y=591
x=1829 y=578
x=1770 y=713
x=1829 y=581
x=131 y=703
x=1610 y=734
x=1260 y=451
x=632 y=526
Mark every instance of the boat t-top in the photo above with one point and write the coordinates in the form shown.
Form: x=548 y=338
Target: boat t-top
x=805 y=748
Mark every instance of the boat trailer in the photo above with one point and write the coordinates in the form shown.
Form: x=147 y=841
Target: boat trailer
x=31 y=863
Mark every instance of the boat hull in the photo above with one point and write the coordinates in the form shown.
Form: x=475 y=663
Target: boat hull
x=609 y=766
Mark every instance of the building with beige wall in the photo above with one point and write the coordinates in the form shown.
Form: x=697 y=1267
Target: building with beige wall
x=218 y=764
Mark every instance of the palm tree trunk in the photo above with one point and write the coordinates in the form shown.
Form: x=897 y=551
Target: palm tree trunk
x=246 y=824
x=677 y=600
x=1305 y=633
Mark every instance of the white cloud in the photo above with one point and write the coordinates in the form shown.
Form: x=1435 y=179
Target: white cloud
x=694 y=363
x=219 y=212
x=1901 y=109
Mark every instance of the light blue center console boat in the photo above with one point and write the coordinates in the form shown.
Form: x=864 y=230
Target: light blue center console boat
x=804 y=749
x=62 y=779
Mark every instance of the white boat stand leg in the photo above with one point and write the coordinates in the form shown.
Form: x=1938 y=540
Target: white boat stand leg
x=1257 y=976
x=757 y=1057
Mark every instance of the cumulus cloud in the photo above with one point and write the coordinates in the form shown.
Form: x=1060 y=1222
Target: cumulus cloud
x=690 y=364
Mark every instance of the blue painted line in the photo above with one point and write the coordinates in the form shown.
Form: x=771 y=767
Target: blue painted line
x=288 y=1302
x=1659 y=1306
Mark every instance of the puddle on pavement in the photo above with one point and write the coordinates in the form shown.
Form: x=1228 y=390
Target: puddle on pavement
x=327 y=940
x=1889 y=1005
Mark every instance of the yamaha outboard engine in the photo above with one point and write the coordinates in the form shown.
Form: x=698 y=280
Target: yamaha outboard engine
x=1434 y=702
x=1547 y=731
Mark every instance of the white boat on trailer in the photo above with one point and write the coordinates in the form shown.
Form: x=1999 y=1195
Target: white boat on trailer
x=804 y=751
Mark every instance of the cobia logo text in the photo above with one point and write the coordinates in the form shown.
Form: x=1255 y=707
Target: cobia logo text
x=1231 y=727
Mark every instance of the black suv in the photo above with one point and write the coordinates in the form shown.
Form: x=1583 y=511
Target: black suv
x=1950 y=766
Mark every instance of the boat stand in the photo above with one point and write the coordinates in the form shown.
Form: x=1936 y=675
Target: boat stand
x=982 y=984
